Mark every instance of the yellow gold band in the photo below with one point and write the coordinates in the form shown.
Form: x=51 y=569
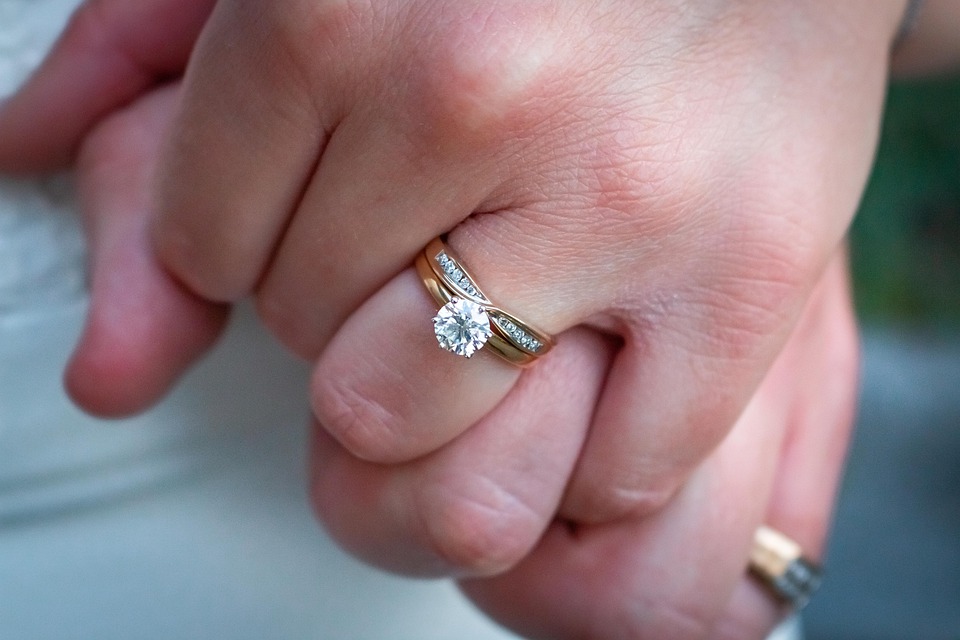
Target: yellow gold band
x=779 y=563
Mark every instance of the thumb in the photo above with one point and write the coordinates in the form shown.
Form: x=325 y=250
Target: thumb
x=143 y=328
x=110 y=52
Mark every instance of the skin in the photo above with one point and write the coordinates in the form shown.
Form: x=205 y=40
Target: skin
x=673 y=244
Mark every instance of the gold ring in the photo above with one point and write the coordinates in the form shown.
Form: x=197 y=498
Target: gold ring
x=468 y=320
x=780 y=565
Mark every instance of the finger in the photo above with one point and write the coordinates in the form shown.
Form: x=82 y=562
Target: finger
x=109 y=53
x=671 y=575
x=698 y=335
x=409 y=397
x=819 y=432
x=477 y=506
x=427 y=144
x=251 y=128
x=388 y=393
x=668 y=576
x=406 y=153
x=143 y=329
x=657 y=420
x=367 y=212
x=811 y=460
x=555 y=268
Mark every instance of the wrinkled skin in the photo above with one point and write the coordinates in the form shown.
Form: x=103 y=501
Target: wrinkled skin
x=663 y=186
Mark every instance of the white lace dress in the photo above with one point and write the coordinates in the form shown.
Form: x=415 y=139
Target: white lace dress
x=188 y=522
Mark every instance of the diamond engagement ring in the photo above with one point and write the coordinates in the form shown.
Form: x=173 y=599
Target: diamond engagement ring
x=779 y=563
x=468 y=320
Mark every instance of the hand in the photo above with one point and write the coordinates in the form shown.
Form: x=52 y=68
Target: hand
x=675 y=178
x=679 y=315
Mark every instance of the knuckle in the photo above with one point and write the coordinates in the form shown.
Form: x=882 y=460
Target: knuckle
x=477 y=79
x=483 y=530
x=366 y=428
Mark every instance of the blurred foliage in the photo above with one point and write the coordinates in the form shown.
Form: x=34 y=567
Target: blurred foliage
x=906 y=237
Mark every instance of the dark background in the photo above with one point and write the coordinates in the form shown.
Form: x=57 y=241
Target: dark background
x=893 y=570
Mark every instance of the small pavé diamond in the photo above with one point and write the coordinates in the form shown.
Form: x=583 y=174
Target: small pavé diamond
x=457 y=275
x=518 y=335
x=462 y=327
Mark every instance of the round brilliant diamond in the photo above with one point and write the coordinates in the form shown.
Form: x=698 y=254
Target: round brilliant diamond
x=462 y=327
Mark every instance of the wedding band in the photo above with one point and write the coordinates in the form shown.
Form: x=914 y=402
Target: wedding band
x=780 y=565
x=468 y=320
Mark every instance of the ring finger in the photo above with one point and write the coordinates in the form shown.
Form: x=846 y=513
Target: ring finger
x=477 y=506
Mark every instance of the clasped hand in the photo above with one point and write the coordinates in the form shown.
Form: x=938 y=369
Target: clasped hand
x=663 y=185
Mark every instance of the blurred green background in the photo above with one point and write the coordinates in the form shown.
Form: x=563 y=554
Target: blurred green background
x=905 y=241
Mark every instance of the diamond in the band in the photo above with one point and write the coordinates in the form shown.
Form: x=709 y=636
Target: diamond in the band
x=462 y=327
x=519 y=336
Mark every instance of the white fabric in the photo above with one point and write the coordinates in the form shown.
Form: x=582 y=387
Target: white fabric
x=188 y=522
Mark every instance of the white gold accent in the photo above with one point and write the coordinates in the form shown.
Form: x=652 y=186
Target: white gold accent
x=457 y=275
x=518 y=335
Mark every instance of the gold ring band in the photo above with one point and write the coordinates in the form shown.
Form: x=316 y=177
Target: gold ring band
x=468 y=320
x=779 y=563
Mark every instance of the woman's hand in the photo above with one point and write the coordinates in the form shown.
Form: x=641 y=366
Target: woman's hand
x=673 y=176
